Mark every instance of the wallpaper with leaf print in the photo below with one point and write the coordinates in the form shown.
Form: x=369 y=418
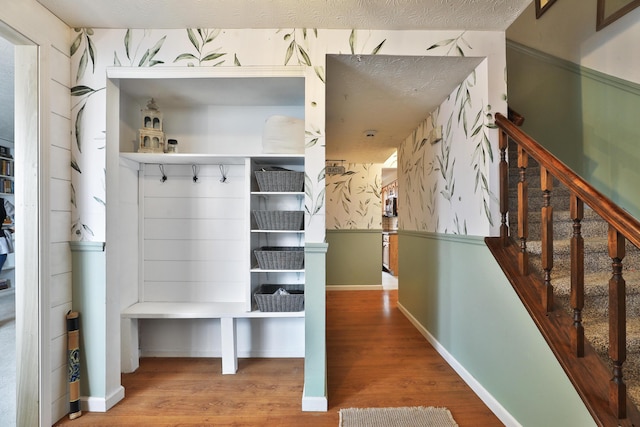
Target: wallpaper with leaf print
x=446 y=185
x=469 y=175
x=354 y=199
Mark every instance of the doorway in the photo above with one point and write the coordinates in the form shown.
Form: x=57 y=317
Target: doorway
x=27 y=193
x=7 y=270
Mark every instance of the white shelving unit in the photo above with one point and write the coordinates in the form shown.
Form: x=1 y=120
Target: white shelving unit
x=291 y=201
x=184 y=259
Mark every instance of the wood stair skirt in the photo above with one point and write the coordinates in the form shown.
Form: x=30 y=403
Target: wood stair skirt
x=592 y=373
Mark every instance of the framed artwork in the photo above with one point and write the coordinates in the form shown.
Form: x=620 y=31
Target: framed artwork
x=543 y=5
x=610 y=10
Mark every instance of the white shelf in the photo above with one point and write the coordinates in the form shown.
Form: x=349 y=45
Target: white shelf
x=198 y=310
x=260 y=270
x=203 y=159
x=277 y=231
x=277 y=193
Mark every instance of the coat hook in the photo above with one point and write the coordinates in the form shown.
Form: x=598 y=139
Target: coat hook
x=164 y=176
x=223 y=173
x=195 y=169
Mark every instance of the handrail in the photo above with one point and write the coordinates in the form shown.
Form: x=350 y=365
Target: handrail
x=620 y=219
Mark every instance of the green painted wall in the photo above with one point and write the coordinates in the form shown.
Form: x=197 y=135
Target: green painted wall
x=315 y=360
x=90 y=301
x=452 y=285
x=548 y=95
x=587 y=119
x=354 y=257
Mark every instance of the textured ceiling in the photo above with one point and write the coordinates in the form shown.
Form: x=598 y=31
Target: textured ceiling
x=389 y=94
x=363 y=91
x=361 y=14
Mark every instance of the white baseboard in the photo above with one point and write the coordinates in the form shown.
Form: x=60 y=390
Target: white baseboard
x=314 y=403
x=354 y=287
x=100 y=404
x=482 y=393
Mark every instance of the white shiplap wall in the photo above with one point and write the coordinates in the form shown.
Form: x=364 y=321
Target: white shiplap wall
x=60 y=221
x=44 y=271
x=194 y=234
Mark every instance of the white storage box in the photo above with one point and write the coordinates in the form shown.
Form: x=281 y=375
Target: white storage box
x=283 y=135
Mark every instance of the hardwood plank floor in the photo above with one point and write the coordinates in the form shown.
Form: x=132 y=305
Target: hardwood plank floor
x=376 y=358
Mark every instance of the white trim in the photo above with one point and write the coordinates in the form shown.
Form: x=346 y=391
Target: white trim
x=204 y=72
x=354 y=287
x=482 y=393
x=100 y=404
x=314 y=403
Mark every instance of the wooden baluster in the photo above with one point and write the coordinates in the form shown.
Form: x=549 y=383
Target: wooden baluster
x=523 y=211
x=576 y=210
x=504 y=187
x=546 y=185
x=617 y=324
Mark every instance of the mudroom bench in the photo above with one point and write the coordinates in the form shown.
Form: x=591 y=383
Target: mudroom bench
x=226 y=312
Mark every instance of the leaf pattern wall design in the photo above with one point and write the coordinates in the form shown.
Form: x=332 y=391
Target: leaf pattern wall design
x=136 y=54
x=354 y=199
x=454 y=46
x=440 y=194
x=88 y=52
x=420 y=166
x=200 y=38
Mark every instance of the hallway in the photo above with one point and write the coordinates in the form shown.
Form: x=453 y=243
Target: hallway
x=376 y=358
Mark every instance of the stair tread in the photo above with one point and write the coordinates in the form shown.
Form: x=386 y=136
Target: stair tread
x=596 y=284
x=600 y=327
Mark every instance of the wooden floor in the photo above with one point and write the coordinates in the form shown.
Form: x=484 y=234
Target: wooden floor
x=376 y=358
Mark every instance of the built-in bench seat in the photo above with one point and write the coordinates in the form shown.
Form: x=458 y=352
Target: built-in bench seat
x=226 y=312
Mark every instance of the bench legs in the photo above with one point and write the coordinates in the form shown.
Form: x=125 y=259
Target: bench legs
x=229 y=345
x=130 y=351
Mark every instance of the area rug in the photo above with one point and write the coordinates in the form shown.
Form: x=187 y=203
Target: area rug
x=412 y=416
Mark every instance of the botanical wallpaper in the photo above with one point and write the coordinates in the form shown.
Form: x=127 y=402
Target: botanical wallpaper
x=354 y=199
x=445 y=185
x=466 y=188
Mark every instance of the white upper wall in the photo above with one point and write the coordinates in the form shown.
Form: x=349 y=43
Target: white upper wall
x=568 y=30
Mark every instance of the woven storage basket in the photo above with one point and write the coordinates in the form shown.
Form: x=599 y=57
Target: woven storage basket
x=268 y=301
x=280 y=180
x=280 y=257
x=279 y=220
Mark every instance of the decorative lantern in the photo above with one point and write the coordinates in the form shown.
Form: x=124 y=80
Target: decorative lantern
x=151 y=139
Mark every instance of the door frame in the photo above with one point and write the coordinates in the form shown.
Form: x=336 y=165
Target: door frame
x=32 y=388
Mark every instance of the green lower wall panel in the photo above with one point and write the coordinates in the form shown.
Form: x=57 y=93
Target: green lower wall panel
x=455 y=289
x=587 y=119
x=354 y=257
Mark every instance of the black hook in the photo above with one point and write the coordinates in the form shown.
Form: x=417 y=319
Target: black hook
x=195 y=170
x=164 y=176
x=223 y=174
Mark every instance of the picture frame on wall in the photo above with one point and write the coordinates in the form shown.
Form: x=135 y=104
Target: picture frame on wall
x=542 y=6
x=611 y=10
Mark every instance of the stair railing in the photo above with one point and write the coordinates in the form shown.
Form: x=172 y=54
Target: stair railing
x=622 y=227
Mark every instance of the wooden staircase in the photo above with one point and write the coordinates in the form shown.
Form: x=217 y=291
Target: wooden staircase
x=597 y=268
x=574 y=266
